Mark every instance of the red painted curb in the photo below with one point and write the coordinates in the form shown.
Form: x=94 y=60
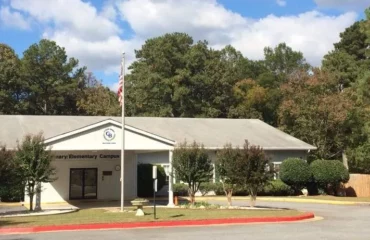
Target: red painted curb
x=96 y=226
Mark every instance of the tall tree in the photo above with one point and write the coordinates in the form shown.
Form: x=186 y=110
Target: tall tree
x=174 y=77
x=353 y=41
x=343 y=66
x=34 y=159
x=51 y=79
x=315 y=111
x=10 y=81
x=365 y=29
x=99 y=101
x=283 y=61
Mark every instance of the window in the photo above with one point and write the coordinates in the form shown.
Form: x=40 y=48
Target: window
x=166 y=168
x=276 y=170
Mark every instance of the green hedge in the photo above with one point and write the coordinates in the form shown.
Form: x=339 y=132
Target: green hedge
x=145 y=179
x=328 y=174
x=296 y=173
x=273 y=188
x=276 y=188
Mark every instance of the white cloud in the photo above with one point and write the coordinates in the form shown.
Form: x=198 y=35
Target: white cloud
x=313 y=33
x=95 y=37
x=281 y=3
x=80 y=18
x=9 y=18
x=344 y=4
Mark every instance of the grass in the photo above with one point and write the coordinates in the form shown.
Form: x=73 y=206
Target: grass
x=163 y=214
x=334 y=198
x=319 y=197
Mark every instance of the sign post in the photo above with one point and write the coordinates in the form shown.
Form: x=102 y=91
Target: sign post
x=154 y=188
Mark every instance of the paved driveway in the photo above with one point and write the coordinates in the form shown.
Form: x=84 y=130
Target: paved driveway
x=340 y=223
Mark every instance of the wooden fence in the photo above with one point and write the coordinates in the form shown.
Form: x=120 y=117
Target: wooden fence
x=358 y=185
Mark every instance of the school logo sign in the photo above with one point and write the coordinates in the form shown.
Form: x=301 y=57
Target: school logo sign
x=109 y=134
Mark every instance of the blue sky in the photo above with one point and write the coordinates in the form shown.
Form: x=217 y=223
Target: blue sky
x=97 y=31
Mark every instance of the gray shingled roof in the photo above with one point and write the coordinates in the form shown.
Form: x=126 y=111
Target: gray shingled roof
x=213 y=133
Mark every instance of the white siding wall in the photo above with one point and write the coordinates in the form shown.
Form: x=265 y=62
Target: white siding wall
x=108 y=188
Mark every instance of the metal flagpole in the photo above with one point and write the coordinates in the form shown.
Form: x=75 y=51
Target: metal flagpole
x=123 y=132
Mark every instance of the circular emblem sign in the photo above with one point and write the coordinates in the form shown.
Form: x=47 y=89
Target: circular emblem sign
x=109 y=134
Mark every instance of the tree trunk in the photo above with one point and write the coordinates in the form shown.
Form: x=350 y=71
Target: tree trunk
x=38 y=197
x=229 y=195
x=345 y=159
x=253 y=198
x=31 y=202
x=31 y=193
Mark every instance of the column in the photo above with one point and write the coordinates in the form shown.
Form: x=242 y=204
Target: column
x=170 y=181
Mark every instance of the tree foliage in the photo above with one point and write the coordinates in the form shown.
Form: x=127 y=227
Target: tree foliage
x=11 y=187
x=328 y=174
x=51 y=79
x=314 y=110
x=34 y=160
x=192 y=165
x=296 y=173
x=253 y=170
x=226 y=170
x=10 y=82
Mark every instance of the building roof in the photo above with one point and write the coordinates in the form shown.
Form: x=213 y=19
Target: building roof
x=213 y=133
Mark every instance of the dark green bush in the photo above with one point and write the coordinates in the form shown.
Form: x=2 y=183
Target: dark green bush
x=276 y=188
x=296 y=173
x=328 y=174
x=145 y=179
x=180 y=189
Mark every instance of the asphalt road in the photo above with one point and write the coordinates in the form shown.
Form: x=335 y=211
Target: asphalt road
x=340 y=222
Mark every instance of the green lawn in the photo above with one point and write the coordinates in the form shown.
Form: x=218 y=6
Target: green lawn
x=104 y=216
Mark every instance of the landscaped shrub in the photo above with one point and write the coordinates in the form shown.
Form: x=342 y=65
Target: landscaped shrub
x=276 y=188
x=210 y=186
x=145 y=179
x=296 y=173
x=180 y=189
x=328 y=174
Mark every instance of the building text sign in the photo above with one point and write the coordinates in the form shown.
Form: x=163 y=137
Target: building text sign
x=86 y=156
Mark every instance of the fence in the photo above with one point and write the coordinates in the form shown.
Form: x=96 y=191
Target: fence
x=358 y=185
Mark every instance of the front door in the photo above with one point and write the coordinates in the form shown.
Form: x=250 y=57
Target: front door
x=83 y=183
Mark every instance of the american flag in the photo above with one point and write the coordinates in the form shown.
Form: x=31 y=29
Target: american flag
x=121 y=84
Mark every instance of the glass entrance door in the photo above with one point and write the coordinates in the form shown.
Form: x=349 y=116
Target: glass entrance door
x=83 y=183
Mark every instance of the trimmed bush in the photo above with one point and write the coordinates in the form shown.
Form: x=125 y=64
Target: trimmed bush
x=180 y=189
x=210 y=186
x=296 y=173
x=328 y=174
x=145 y=179
x=276 y=188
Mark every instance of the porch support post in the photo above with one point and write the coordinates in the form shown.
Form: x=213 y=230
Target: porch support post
x=170 y=181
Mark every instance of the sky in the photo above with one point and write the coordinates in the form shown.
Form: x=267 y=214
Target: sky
x=97 y=31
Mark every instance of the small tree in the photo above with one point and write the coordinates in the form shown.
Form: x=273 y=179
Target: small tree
x=35 y=163
x=253 y=171
x=328 y=174
x=226 y=161
x=296 y=173
x=192 y=165
x=11 y=187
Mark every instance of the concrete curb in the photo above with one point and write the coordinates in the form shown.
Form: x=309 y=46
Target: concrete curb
x=277 y=199
x=152 y=224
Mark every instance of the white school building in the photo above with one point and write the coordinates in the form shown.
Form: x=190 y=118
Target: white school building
x=87 y=149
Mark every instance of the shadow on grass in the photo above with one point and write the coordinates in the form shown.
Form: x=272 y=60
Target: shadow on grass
x=178 y=215
x=8 y=223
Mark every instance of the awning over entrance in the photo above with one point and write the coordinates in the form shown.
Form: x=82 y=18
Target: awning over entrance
x=106 y=135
